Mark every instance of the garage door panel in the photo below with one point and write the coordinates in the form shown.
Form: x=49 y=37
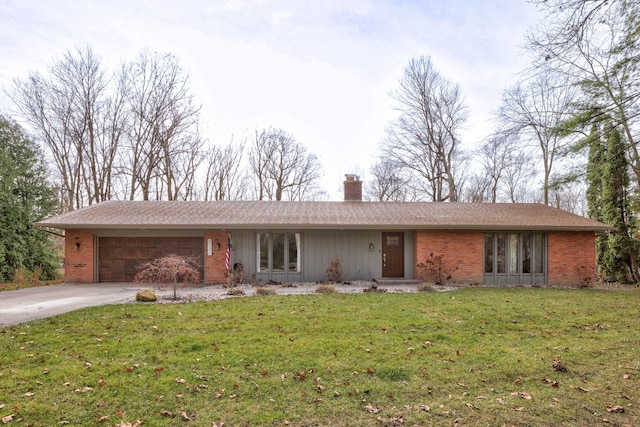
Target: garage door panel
x=186 y=252
x=156 y=241
x=119 y=257
x=137 y=253
x=170 y=241
x=155 y=253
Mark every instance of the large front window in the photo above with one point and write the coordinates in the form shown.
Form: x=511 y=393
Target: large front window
x=278 y=252
x=515 y=258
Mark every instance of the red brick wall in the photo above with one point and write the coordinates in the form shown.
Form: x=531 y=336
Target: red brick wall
x=462 y=254
x=79 y=260
x=571 y=258
x=352 y=189
x=214 y=264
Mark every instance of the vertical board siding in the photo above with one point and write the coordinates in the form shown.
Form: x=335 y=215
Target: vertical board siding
x=350 y=246
x=319 y=248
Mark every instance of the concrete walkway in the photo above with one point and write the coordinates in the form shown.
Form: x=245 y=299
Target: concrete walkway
x=29 y=304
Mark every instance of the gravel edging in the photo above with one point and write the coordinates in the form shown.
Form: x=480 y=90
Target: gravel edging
x=220 y=292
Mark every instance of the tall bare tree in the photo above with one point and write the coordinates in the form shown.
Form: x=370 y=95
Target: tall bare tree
x=225 y=177
x=388 y=182
x=536 y=110
x=424 y=139
x=80 y=120
x=165 y=147
x=596 y=44
x=132 y=134
x=283 y=169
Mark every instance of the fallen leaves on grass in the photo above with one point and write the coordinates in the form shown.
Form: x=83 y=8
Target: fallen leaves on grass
x=7 y=419
x=522 y=395
x=371 y=409
x=577 y=387
x=615 y=409
x=559 y=365
x=187 y=417
x=397 y=420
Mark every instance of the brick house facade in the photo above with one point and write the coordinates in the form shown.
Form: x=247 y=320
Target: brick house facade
x=501 y=244
x=79 y=256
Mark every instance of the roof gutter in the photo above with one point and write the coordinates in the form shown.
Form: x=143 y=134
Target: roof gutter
x=294 y=226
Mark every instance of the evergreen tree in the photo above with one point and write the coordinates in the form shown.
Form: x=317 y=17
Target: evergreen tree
x=618 y=260
x=25 y=197
x=595 y=166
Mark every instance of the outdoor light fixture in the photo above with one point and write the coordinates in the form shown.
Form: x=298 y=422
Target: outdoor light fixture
x=217 y=246
x=77 y=245
x=371 y=247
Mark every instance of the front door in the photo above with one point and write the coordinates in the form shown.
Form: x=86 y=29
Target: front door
x=393 y=254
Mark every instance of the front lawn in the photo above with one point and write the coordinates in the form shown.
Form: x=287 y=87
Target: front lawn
x=468 y=357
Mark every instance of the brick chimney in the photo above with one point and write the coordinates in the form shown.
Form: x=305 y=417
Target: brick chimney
x=352 y=188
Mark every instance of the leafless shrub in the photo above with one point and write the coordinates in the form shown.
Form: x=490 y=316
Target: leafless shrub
x=235 y=292
x=266 y=290
x=334 y=272
x=426 y=287
x=326 y=289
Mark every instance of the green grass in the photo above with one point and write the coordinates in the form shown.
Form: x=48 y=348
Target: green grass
x=468 y=357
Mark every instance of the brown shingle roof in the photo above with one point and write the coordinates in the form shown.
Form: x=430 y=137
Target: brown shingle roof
x=320 y=215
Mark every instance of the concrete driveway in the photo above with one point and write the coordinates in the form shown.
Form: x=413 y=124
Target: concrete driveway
x=29 y=304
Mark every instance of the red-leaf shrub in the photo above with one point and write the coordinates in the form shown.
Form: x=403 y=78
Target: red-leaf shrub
x=169 y=270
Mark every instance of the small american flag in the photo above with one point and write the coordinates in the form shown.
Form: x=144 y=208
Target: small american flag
x=227 y=260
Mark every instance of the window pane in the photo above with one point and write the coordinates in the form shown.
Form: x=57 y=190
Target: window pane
x=294 y=264
x=278 y=251
x=488 y=253
x=501 y=243
x=513 y=253
x=539 y=252
x=526 y=253
x=263 y=252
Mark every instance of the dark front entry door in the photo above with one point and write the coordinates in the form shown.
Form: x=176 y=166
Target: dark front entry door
x=392 y=254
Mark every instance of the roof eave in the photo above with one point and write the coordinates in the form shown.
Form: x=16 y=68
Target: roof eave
x=333 y=226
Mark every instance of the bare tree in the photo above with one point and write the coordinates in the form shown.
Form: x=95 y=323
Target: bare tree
x=165 y=147
x=517 y=180
x=570 y=197
x=133 y=134
x=225 y=177
x=536 y=110
x=72 y=110
x=595 y=44
x=495 y=156
x=424 y=138
x=388 y=182
x=283 y=169
x=259 y=159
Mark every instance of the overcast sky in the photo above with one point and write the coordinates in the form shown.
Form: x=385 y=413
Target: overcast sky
x=320 y=70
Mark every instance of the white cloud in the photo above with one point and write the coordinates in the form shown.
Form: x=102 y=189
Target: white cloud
x=320 y=70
